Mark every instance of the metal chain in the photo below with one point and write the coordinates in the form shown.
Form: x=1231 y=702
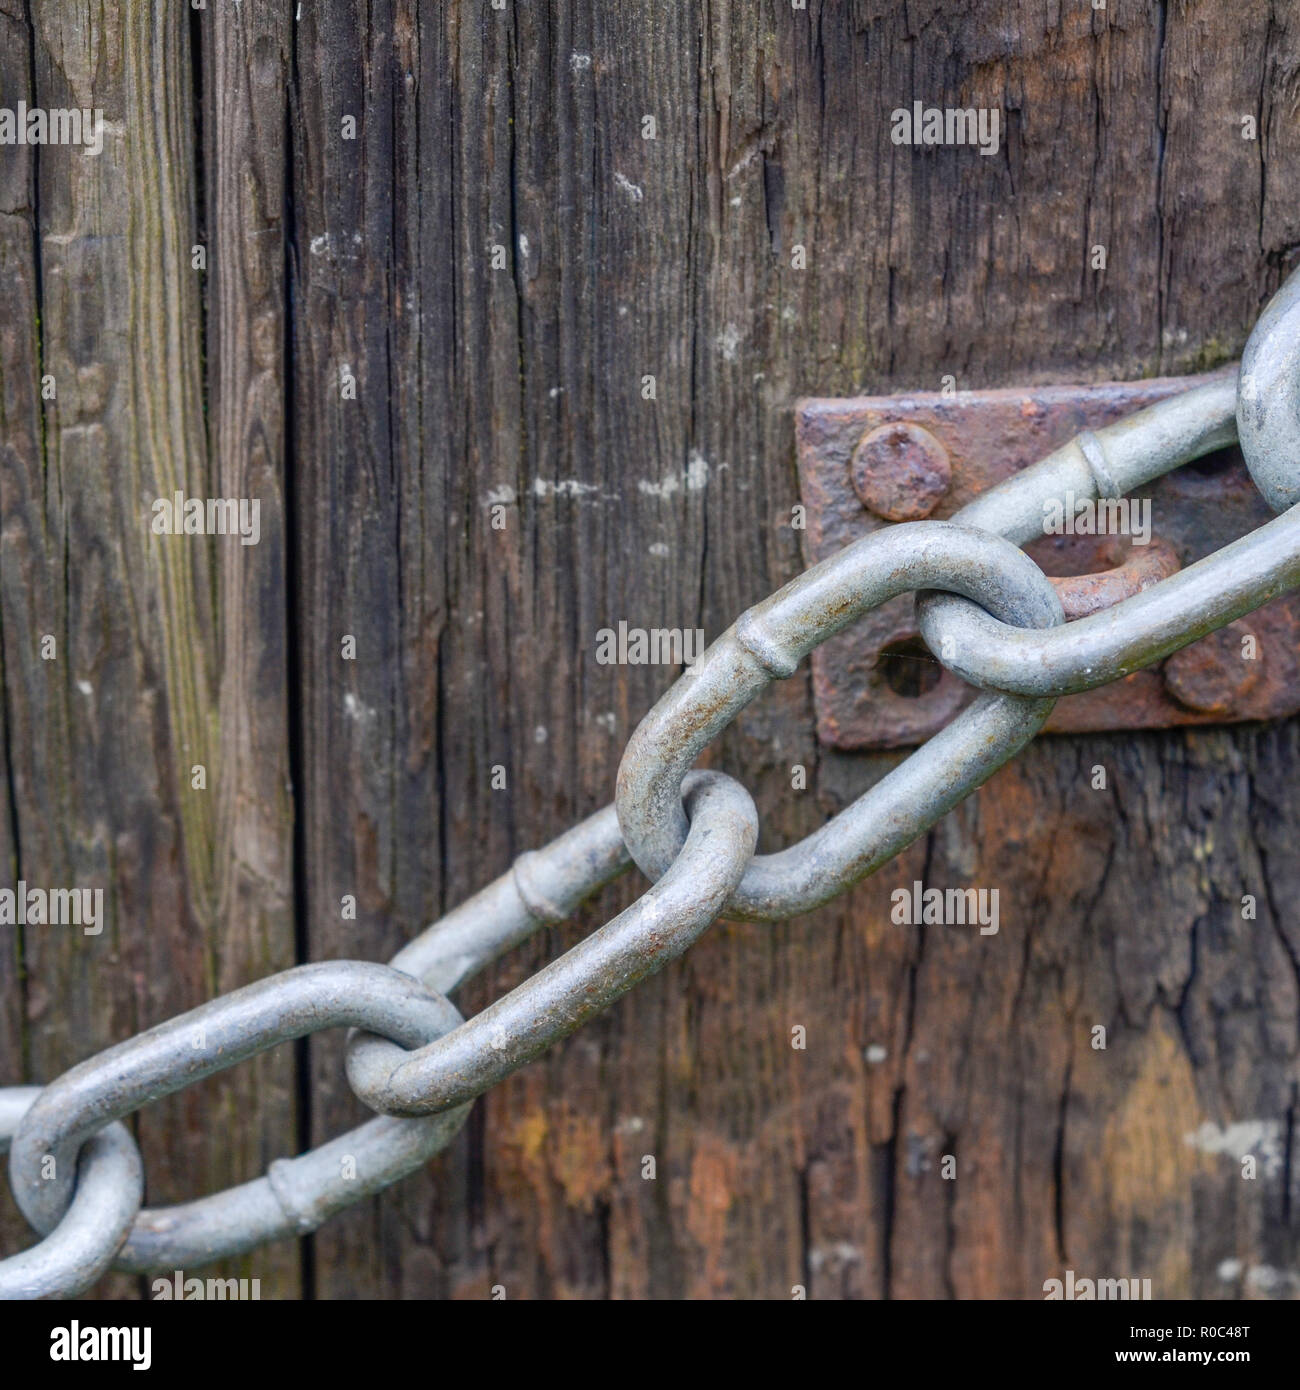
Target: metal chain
x=986 y=611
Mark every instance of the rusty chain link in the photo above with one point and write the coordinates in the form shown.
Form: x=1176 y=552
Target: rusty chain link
x=986 y=611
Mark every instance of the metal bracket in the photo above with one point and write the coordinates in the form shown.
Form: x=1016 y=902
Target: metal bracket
x=873 y=461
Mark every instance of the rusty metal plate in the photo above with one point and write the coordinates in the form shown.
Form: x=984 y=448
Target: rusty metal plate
x=929 y=454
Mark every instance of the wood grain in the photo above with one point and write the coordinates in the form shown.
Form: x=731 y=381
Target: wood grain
x=168 y=656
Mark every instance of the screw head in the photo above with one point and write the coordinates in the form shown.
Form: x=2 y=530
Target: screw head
x=1214 y=672
x=900 y=471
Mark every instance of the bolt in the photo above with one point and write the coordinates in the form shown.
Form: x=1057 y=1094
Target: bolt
x=900 y=471
x=1211 y=675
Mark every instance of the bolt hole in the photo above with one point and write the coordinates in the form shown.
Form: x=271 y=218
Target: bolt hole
x=1215 y=465
x=908 y=668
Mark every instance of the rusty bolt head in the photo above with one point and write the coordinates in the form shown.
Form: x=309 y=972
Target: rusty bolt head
x=900 y=471
x=1212 y=674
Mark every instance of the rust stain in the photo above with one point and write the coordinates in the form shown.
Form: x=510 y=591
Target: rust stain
x=1148 y=1169
x=1216 y=674
x=579 y=1160
x=715 y=1167
x=1140 y=568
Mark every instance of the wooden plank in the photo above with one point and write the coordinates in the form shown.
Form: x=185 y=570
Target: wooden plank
x=372 y=570
x=28 y=596
x=170 y=648
x=245 y=69
x=673 y=258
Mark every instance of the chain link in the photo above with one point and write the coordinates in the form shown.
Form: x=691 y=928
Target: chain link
x=767 y=643
x=569 y=992
x=985 y=610
x=198 y=1044
x=110 y=1185
x=1268 y=402
x=1148 y=626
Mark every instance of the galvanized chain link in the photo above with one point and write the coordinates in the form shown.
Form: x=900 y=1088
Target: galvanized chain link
x=198 y=1044
x=110 y=1185
x=986 y=611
